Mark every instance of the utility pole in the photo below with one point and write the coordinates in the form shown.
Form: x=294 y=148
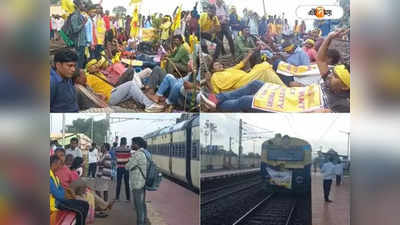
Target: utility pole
x=230 y=143
x=265 y=12
x=91 y=131
x=240 y=141
x=63 y=128
x=348 y=143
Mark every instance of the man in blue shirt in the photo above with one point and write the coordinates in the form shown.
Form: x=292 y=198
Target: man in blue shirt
x=62 y=90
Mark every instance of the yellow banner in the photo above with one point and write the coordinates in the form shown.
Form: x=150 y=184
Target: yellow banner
x=287 y=69
x=135 y=1
x=276 y=98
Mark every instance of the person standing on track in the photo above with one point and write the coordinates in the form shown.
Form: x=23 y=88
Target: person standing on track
x=123 y=154
x=328 y=170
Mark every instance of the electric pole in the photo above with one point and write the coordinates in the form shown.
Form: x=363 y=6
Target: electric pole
x=348 y=143
x=63 y=129
x=240 y=141
x=265 y=12
x=230 y=143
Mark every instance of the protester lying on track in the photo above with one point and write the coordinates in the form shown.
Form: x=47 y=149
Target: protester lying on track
x=229 y=79
x=114 y=96
x=335 y=87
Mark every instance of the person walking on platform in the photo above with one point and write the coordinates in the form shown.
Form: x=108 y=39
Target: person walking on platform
x=138 y=166
x=123 y=154
x=339 y=173
x=328 y=170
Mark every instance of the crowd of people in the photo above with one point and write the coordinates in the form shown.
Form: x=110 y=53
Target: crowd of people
x=70 y=187
x=104 y=53
x=258 y=45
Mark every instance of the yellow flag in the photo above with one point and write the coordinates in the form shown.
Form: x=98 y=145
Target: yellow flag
x=177 y=19
x=68 y=6
x=135 y=1
x=135 y=23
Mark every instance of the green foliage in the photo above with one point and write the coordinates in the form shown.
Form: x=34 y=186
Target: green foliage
x=84 y=126
x=119 y=11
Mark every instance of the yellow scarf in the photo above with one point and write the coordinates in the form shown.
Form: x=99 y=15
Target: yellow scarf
x=52 y=199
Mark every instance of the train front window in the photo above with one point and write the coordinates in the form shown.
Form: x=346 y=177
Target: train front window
x=285 y=155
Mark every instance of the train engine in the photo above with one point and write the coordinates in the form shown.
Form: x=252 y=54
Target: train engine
x=286 y=164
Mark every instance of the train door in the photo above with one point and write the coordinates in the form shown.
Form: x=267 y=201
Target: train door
x=171 y=149
x=188 y=148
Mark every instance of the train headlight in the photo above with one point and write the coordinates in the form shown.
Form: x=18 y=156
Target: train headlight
x=299 y=179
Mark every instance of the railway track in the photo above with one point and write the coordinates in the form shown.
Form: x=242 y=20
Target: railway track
x=272 y=210
x=222 y=193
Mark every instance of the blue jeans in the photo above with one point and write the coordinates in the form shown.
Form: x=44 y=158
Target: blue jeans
x=173 y=86
x=239 y=100
x=139 y=201
x=80 y=51
x=147 y=61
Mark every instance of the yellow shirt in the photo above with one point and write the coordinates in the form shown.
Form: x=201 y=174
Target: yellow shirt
x=206 y=24
x=165 y=27
x=51 y=197
x=234 y=78
x=99 y=86
x=100 y=30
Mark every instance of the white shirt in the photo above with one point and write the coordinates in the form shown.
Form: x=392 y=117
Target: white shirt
x=59 y=24
x=329 y=171
x=339 y=169
x=93 y=156
x=75 y=153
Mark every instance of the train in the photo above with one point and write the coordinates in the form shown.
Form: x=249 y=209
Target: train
x=176 y=151
x=286 y=164
x=286 y=170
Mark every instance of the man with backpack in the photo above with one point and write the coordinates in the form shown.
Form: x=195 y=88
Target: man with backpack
x=138 y=165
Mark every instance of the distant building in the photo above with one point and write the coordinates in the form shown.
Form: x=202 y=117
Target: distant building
x=84 y=141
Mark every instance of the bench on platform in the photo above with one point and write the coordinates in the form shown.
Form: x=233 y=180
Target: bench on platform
x=62 y=217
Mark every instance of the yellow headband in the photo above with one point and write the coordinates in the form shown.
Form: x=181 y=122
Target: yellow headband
x=310 y=41
x=289 y=48
x=91 y=63
x=343 y=74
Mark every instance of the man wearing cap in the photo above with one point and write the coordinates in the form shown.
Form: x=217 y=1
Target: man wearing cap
x=308 y=48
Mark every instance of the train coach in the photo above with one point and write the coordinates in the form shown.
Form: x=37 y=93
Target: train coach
x=286 y=164
x=176 y=151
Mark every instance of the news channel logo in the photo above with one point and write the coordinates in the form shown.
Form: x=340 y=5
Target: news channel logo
x=308 y=12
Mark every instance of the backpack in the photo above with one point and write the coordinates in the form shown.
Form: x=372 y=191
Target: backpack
x=153 y=179
x=67 y=33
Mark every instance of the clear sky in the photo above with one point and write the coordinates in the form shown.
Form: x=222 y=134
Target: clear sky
x=317 y=129
x=127 y=129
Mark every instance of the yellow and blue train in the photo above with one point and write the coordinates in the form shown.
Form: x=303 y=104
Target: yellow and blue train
x=286 y=164
x=176 y=150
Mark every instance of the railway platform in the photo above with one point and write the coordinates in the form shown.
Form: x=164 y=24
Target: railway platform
x=171 y=204
x=335 y=213
x=227 y=173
